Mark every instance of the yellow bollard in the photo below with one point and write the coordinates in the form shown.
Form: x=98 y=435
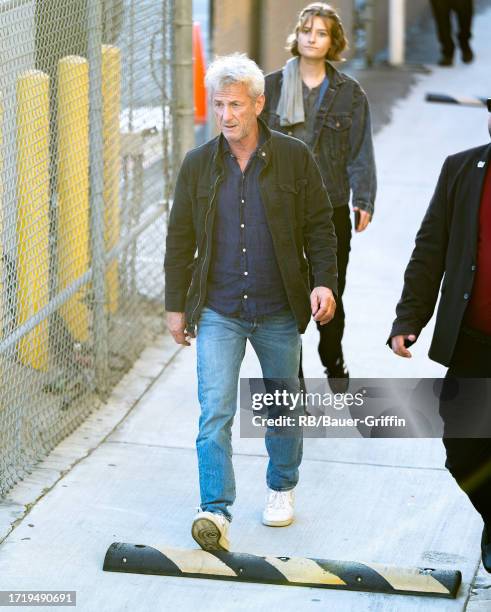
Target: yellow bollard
x=111 y=102
x=73 y=188
x=33 y=212
x=1 y=217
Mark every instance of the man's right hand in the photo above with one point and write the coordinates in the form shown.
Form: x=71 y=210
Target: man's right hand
x=176 y=324
x=397 y=344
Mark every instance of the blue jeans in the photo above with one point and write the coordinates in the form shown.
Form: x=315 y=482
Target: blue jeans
x=221 y=343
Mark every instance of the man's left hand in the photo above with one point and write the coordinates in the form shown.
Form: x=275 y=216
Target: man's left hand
x=323 y=304
x=365 y=218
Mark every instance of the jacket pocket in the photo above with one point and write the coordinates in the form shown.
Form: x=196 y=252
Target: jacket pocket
x=200 y=207
x=292 y=196
x=294 y=187
x=336 y=134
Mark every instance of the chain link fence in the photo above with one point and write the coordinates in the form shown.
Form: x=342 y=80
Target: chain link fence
x=85 y=121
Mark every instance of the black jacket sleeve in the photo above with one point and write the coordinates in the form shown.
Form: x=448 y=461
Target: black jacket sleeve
x=427 y=264
x=361 y=164
x=180 y=243
x=319 y=233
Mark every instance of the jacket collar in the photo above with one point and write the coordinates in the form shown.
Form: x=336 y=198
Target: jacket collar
x=335 y=77
x=475 y=181
x=479 y=168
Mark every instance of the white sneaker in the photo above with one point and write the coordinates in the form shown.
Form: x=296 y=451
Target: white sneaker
x=279 y=508
x=210 y=530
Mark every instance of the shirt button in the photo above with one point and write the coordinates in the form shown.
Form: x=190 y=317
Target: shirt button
x=244 y=250
x=466 y=296
x=263 y=154
x=245 y=297
x=242 y=201
x=473 y=268
x=242 y=225
x=246 y=273
x=290 y=133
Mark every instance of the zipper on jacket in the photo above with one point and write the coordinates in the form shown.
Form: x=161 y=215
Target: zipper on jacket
x=206 y=250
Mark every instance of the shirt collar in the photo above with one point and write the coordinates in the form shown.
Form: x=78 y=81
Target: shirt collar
x=311 y=90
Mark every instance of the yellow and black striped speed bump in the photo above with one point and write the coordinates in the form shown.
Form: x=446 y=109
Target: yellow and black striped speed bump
x=460 y=100
x=299 y=571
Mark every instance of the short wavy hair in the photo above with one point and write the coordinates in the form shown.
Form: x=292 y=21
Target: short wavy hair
x=339 y=42
x=235 y=68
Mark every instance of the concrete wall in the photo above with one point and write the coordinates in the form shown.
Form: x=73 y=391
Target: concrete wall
x=233 y=27
x=260 y=27
x=279 y=19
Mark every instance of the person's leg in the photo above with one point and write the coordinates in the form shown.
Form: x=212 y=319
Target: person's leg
x=277 y=343
x=464 y=10
x=469 y=462
x=469 y=459
x=331 y=335
x=220 y=349
x=441 y=12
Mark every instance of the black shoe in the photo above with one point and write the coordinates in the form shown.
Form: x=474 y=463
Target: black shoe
x=467 y=55
x=338 y=376
x=486 y=548
x=445 y=60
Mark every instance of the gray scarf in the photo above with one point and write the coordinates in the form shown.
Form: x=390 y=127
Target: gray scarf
x=290 y=105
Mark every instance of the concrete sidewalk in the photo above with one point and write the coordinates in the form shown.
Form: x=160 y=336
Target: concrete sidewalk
x=130 y=473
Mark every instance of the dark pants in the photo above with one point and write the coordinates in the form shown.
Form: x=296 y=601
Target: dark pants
x=442 y=13
x=469 y=459
x=331 y=335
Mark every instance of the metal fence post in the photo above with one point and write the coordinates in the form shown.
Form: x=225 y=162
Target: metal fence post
x=183 y=127
x=100 y=331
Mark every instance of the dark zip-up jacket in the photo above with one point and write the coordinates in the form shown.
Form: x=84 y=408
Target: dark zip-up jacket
x=446 y=247
x=298 y=212
x=342 y=145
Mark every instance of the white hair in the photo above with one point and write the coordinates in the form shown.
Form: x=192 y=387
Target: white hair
x=235 y=68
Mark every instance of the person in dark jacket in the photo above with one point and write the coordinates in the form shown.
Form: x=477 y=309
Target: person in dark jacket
x=454 y=244
x=247 y=206
x=442 y=12
x=311 y=100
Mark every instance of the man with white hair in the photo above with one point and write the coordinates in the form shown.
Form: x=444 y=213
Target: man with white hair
x=249 y=206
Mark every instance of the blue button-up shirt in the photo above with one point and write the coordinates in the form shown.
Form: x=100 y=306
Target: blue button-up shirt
x=244 y=278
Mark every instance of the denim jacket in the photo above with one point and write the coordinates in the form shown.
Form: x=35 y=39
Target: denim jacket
x=343 y=146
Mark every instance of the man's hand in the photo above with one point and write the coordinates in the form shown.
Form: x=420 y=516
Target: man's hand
x=323 y=304
x=397 y=344
x=176 y=324
x=365 y=218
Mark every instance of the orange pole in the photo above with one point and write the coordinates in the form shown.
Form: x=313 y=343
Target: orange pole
x=199 y=70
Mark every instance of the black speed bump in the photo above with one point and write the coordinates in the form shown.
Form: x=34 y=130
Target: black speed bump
x=297 y=571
